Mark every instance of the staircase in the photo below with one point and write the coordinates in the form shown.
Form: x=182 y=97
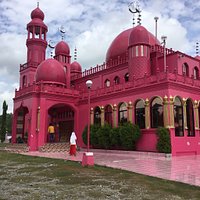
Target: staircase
x=55 y=147
x=16 y=148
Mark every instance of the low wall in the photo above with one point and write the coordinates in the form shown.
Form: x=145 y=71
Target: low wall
x=185 y=145
x=147 y=141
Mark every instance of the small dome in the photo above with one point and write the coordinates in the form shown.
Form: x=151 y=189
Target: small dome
x=51 y=71
x=62 y=48
x=76 y=67
x=37 y=13
x=139 y=35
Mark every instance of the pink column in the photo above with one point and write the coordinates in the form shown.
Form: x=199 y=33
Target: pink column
x=33 y=133
x=42 y=132
x=14 y=126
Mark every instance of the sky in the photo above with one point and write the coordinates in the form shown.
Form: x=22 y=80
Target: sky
x=90 y=26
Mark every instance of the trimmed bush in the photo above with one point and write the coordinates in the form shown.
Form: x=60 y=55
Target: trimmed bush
x=104 y=136
x=94 y=140
x=129 y=134
x=84 y=135
x=115 y=138
x=163 y=142
x=122 y=137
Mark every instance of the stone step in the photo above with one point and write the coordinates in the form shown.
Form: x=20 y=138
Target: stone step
x=16 y=148
x=54 y=147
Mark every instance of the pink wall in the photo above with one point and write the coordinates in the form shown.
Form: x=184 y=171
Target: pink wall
x=147 y=141
x=185 y=145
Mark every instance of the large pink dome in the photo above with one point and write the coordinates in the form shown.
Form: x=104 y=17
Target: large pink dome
x=120 y=44
x=51 y=71
x=37 y=13
x=62 y=48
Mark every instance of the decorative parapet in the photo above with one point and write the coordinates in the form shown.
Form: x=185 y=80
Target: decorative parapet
x=122 y=59
x=46 y=88
x=28 y=64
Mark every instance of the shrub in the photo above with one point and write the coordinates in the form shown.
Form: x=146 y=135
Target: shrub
x=129 y=134
x=115 y=138
x=104 y=136
x=94 y=141
x=163 y=143
x=84 y=135
x=93 y=134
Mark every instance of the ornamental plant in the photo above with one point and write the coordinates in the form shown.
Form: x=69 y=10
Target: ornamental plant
x=163 y=142
x=129 y=134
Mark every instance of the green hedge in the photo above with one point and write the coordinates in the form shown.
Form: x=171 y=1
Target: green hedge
x=123 y=137
x=164 y=142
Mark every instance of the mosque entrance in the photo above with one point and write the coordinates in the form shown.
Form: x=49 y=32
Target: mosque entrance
x=62 y=117
x=65 y=128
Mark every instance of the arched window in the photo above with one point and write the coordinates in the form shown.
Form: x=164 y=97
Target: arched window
x=122 y=113
x=126 y=77
x=97 y=115
x=178 y=117
x=24 y=81
x=107 y=83
x=196 y=73
x=190 y=117
x=140 y=114
x=156 y=113
x=185 y=69
x=108 y=115
x=116 y=80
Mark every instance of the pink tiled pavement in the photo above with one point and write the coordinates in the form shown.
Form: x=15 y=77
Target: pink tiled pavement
x=184 y=169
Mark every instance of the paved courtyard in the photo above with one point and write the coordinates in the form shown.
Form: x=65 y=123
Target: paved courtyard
x=184 y=169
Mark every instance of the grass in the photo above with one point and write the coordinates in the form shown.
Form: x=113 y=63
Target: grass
x=36 y=178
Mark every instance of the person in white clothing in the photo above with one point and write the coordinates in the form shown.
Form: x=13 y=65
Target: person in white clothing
x=73 y=139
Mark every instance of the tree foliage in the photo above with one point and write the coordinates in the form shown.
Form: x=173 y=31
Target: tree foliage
x=164 y=143
x=123 y=137
x=3 y=122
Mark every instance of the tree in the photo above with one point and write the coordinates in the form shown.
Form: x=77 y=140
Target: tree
x=3 y=122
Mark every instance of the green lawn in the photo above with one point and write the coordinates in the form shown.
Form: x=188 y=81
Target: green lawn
x=26 y=177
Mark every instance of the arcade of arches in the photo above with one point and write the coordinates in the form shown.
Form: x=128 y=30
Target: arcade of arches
x=173 y=112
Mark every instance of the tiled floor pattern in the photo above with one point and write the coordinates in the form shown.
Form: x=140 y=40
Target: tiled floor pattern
x=184 y=169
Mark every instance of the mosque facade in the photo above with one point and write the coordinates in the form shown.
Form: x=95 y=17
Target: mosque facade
x=140 y=81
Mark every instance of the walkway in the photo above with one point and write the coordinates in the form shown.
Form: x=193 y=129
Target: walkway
x=184 y=169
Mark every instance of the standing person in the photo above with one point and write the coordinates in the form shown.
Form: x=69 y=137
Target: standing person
x=73 y=144
x=51 y=131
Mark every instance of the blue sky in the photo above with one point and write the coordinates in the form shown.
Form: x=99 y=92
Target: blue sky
x=91 y=26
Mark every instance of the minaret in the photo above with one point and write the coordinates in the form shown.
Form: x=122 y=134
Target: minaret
x=36 y=42
x=36 y=47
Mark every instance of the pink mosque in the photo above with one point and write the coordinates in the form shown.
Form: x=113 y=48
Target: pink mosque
x=140 y=81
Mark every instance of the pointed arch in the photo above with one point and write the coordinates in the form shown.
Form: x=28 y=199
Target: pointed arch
x=140 y=113
x=190 y=117
x=116 y=80
x=156 y=110
x=185 y=69
x=196 y=73
x=108 y=114
x=97 y=115
x=178 y=116
x=126 y=77
x=122 y=113
x=107 y=83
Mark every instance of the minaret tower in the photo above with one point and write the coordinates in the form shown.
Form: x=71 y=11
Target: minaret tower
x=36 y=42
x=36 y=47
